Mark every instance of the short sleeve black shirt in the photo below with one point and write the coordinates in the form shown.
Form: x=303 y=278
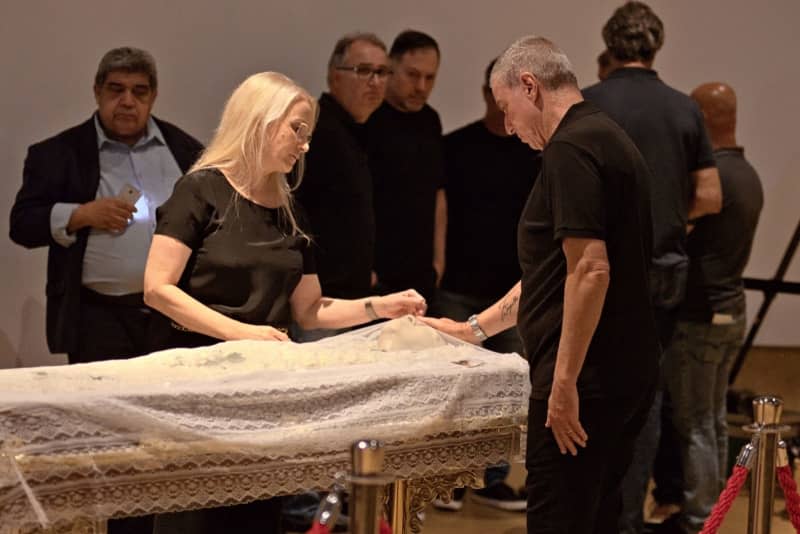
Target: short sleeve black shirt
x=667 y=127
x=489 y=178
x=245 y=263
x=593 y=184
x=720 y=244
x=407 y=164
x=336 y=192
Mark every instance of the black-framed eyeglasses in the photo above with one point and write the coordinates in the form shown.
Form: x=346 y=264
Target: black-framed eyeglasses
x=366 y=72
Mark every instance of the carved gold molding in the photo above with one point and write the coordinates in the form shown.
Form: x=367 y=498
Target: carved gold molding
x=432 y=465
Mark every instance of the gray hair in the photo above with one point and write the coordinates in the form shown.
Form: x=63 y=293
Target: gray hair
x=343 y=45
x=540 y=57
x=127 y=59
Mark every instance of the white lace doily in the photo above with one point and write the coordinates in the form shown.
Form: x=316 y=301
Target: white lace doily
x=269 y=400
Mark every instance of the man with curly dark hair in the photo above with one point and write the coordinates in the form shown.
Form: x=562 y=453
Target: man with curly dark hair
x=634 y=33
x=667 y=127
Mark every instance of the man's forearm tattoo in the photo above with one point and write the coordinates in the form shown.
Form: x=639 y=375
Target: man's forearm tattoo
x=507 y=307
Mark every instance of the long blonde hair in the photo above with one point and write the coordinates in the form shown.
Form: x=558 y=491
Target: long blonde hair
x=249 y=120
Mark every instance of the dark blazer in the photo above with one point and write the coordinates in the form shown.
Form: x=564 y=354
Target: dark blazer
x=66 y=168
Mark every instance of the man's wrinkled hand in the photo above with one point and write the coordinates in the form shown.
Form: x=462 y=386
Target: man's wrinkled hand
x=563 y=418
x=461 y=330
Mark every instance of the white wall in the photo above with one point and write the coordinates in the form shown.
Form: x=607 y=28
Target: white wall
x=49 y=52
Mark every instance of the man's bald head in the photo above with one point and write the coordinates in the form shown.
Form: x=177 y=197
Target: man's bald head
x=717 y=101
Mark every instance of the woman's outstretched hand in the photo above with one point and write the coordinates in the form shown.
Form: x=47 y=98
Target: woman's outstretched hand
x=407 y=302
x=259 y=332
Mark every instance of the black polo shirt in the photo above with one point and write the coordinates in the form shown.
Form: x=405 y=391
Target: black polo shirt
x=489 y=178
x=720 y=244
x=336 y=193
x=407 y=164
x=593 y=184
x=668 y=129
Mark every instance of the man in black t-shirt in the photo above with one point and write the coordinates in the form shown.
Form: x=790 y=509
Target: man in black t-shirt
x=406 y=160
x=489 y=176
x=582 y=306
x=712 y=319
x=336 y=191
x=667 y=127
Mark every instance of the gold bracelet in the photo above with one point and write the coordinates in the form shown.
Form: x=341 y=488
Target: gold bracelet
x=370 y=310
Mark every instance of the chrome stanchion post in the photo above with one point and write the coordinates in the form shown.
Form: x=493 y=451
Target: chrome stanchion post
x=766 y=425
x=367 y=484
x=399 y=507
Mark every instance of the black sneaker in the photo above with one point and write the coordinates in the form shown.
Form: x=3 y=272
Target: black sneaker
x=455 y=504
x=501 y=496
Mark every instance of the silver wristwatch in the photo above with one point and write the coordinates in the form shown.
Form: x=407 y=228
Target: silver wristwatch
x=476 y=328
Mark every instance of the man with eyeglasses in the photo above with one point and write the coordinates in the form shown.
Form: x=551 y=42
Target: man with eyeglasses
x=407 y=163
x=90 y=195
x=336 y=191
x=336 y=194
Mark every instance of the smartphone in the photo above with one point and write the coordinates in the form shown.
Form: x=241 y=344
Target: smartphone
x=129 y=194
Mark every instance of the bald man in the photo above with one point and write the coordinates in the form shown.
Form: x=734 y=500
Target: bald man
x=711 y=321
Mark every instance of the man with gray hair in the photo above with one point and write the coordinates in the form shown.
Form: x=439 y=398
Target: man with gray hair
x=90 y=195
x=336 y=194
x=582 y=306
x=336 y=191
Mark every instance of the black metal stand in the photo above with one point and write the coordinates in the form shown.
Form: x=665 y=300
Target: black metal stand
x=770 y=288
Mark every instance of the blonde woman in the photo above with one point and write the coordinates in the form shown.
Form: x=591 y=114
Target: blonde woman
x=231 y=258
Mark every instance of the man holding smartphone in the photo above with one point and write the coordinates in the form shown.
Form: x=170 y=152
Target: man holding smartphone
x=90 y=195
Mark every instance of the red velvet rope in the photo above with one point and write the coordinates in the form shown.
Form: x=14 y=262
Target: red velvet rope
x=316 y=528
x=725 y=501
x=789 y=488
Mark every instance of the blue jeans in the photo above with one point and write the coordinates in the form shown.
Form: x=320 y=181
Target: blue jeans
x=696 y=374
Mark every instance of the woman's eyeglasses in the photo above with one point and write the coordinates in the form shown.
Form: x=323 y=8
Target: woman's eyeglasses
x=302 y=132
